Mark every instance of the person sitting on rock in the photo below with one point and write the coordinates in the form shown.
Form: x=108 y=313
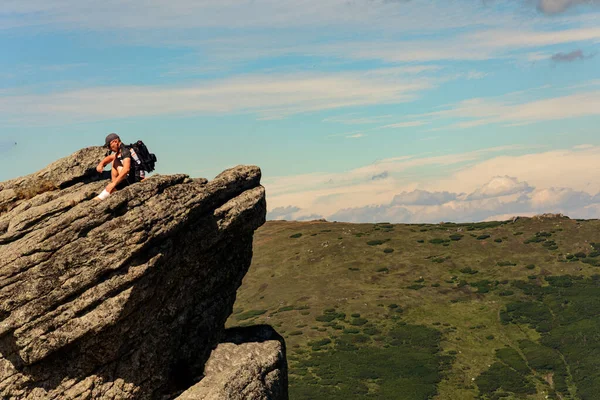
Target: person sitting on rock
x=123 y=171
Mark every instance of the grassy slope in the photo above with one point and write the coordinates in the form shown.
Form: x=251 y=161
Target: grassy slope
x=332 y=266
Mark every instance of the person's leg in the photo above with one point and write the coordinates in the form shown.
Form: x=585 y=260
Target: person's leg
x=114 y=173
x=115 y=170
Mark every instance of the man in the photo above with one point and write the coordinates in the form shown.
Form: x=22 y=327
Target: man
x=123 y=167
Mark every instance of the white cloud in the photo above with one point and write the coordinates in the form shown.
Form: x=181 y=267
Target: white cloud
x=576 y=169
x=499 y=186
x=553 y=200
x=408 y=124
x=186 y=14
x=560 y=198
x=285 y=213
x=483 y=44
x=178 y=22
x=452 y=211
x=423 y=198
x=553 y=181
x=268 y=95
x=537 y=56
x=510 y=111
x=353 y=119
x=372 y=214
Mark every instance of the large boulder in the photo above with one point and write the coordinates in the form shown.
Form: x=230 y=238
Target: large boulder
x=123 y=298
x=249 y=363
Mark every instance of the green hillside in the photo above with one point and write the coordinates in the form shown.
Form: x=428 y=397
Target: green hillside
x=447 y=311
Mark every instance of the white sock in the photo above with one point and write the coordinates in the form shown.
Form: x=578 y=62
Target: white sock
x=103 y=195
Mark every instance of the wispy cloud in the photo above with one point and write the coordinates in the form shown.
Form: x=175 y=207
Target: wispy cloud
x=185 y=14
x=499 y=186
x=487 y=32
x=354 y=119
x=479 y=45
x=269 y=96
x=60 y=67
x=408 y=124
x=508 y=110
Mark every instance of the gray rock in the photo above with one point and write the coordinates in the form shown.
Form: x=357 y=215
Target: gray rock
x=250 y=364
x=123 y=298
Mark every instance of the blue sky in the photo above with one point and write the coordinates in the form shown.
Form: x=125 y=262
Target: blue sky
x=362 y=110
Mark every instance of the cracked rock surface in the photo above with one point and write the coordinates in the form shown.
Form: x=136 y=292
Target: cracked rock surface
x=123 y=298
x=249 y=363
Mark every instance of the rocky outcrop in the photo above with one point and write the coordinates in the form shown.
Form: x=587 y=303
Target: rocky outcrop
x=123 y=298
x=249 y=363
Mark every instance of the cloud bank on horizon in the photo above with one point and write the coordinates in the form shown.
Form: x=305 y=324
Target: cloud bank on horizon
x=474 y=189
x=361 y=111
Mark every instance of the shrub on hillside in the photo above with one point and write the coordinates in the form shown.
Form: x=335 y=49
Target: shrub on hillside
x=513 y=359
x=505 y=293
x=415 y=287
x=371 y=330
x=468 y=270
x=506 y=264
x=325 y=317
x=535 y=239
x=500 y=377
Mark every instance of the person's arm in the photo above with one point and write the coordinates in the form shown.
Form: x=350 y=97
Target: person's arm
x=122 y=175
x=107 y=160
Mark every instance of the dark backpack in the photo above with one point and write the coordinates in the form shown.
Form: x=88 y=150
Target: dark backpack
x=147 y=159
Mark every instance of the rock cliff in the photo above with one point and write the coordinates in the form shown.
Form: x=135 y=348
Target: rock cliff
x=123 y=298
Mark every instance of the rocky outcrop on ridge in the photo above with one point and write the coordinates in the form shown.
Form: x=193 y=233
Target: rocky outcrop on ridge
x=123 y=298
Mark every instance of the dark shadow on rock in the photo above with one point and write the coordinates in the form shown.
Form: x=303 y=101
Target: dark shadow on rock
x=252 y=334
x=89 y=176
